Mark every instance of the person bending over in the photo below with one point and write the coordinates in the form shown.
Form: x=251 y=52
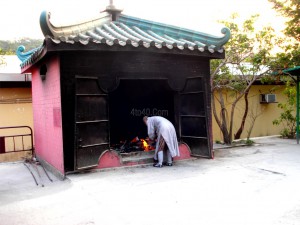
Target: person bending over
x=164 y=131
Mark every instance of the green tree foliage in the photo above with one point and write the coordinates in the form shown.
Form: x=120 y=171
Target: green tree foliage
x=2 y=61
x=290 y=9
x=248 y=53
x=290 y=56
x=287 y=117
x=10 y=47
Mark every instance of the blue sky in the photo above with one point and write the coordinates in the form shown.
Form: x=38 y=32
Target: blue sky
x=20 y=18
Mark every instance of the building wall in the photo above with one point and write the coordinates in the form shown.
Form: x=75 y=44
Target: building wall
x=264 y=113
x=47 y=114
x=48 y=107
x=111 y=67
x=15 y=110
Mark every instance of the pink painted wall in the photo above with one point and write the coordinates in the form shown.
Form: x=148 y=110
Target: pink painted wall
x=46 y=102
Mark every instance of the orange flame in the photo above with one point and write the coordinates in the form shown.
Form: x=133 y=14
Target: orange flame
x=146 y=146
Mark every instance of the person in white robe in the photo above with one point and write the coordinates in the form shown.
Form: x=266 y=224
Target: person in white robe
x=163 y=131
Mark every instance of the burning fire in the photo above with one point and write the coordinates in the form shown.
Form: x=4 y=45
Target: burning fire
x=146 y=146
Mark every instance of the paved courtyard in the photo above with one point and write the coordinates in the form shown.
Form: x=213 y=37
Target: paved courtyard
x=257 y=185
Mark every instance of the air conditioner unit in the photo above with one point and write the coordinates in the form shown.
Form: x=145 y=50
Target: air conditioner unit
x=267 y=98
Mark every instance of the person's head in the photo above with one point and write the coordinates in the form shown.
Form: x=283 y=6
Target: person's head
x=145 y=118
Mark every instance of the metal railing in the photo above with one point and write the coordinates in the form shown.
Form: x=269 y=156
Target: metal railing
x=16 y=139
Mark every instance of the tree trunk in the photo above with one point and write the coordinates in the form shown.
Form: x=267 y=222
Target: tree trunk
x=226 y=137
x=224 y=120
x=241 y=129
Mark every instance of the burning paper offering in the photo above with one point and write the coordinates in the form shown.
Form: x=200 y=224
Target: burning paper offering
x=143 y=143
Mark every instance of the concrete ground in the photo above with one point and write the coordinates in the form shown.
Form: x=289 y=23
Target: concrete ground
x=256 y=185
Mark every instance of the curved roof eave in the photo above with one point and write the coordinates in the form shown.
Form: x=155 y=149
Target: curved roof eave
x=30 y=57
x=125 y=31
x=177 y=31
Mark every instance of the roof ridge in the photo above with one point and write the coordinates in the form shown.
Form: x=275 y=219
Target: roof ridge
x=49 y=29
x=205 y=38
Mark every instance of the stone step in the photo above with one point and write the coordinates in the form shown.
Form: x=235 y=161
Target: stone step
x=137 y=153
x=136 y=158
x=113 y=158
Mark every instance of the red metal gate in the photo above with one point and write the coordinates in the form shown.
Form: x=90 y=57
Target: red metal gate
x=16 y=139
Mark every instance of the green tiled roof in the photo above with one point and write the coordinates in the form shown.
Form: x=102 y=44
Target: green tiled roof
x=126 y=31
x=295 y=71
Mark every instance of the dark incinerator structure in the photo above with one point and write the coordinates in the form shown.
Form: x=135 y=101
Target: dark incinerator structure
x=93 y=82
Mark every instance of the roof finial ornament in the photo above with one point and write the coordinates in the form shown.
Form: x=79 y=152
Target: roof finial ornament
x=113 y=10
x=111 y=3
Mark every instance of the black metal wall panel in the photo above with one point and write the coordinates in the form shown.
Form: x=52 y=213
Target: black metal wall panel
x=193 y=126
x=88 y=85
x=91 y=108
x=194 y=117
x=88 y=157
x=92 y=124
x=192 y=104
x=92 y=133
x=194 y=85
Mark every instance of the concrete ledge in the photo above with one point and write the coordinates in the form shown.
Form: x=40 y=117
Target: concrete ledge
x=235 y=144
x=51 y=168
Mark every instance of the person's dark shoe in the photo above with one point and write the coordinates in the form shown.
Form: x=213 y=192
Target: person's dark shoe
x=157 y=165
x=169 y=164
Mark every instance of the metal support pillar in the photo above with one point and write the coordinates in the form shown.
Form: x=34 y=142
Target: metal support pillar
x=297 y=111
